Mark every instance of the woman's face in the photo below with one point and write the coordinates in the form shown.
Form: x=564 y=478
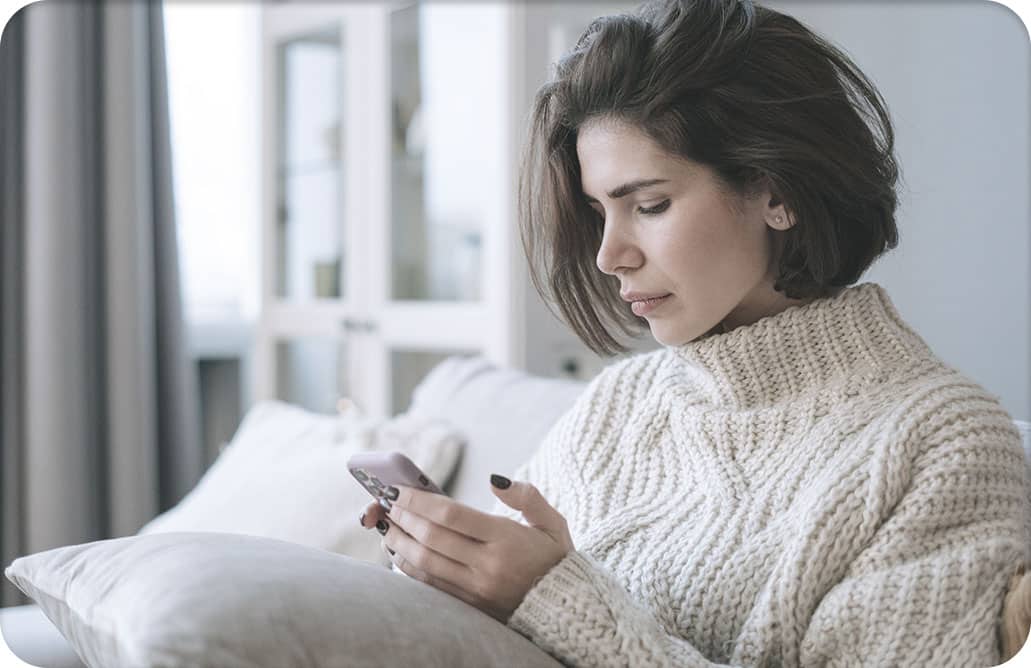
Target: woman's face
x=669 y=231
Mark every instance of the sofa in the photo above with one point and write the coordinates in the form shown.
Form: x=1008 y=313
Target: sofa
x=503 y=415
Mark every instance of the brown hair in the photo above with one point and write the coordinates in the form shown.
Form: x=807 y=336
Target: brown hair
x=1016 y=614
x=749 y=92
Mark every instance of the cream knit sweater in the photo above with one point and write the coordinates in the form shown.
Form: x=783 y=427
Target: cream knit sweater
x=814 y=489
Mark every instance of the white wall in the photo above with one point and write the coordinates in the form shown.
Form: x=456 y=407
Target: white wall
x=956 y=79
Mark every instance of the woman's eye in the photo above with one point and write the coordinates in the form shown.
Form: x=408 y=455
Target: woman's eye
x=658 y=208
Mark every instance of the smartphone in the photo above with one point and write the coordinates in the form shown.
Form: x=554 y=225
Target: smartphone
x=378 y=472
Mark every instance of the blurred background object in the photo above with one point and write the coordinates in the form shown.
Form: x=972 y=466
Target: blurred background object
x=100 y=428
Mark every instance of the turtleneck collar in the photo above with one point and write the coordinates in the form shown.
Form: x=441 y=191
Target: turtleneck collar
x=857 y=332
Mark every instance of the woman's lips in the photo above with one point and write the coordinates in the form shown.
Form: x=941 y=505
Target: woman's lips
x=648 y=305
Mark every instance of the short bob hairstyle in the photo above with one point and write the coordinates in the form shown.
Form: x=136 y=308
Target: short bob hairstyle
x=749 y=92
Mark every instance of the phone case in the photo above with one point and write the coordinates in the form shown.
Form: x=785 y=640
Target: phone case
x=377 y=472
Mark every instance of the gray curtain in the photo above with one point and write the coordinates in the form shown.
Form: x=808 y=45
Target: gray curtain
x=100 y=416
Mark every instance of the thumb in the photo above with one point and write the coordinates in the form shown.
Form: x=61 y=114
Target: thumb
x=526 y=498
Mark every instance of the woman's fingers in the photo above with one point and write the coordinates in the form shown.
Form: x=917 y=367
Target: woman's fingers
x=445 y=511
x=422 y=576
x=536 y=510
x=422 y=559
x=439 y=538
x=371 y=514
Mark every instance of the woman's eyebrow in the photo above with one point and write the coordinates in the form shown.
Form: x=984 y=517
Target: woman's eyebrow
x=628 y=188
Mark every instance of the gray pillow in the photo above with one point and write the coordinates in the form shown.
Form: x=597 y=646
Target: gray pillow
x=226 y=601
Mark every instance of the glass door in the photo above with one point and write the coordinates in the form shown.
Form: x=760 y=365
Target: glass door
x=309 y=176
x=389 y=195
x=441 y=127
x=444 y=117
x=310 y=345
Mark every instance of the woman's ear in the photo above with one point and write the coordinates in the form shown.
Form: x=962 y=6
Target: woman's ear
x=780 y=219
x=777 y=214
x=782 y=222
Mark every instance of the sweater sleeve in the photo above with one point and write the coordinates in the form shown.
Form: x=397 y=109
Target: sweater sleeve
x=927 y=588
x=582 y=616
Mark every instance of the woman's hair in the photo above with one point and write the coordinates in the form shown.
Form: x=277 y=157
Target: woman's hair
x=749 y=92
x=1016 y=614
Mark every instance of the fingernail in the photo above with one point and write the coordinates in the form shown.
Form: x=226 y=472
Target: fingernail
x=382 y=527
x=361 y=520
x=390 y=551
x=392 y=493
x=499 y=481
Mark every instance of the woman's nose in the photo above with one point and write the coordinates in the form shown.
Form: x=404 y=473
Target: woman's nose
x=618 y=252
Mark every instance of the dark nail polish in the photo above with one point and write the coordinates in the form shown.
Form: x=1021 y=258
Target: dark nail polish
x=392 y=493
x=361 y=520
x=500 y=481
x=390 y=551
x=382 y=527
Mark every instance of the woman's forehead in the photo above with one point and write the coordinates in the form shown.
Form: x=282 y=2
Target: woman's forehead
x=612 y=155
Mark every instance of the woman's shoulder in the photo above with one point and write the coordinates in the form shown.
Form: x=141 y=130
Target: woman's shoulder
x=939 y=404
x=941 y=388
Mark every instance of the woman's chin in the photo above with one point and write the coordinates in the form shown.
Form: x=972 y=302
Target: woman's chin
x=664 y=336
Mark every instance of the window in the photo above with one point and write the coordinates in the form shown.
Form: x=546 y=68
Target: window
x=213 y=56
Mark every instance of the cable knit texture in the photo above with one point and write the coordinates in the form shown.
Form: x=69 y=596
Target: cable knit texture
x=813 y=489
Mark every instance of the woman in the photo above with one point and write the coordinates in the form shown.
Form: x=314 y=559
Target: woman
x=793 y=478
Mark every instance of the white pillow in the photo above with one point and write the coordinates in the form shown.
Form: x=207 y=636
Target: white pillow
x=504 y=413
x=284 y=476
x=228 y=601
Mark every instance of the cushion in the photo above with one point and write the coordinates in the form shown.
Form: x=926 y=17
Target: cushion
x=284 y=476
x=226 y=600
x=502 y=413
x=31 y=637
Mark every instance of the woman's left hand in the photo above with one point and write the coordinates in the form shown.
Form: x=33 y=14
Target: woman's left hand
x=486 y=560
